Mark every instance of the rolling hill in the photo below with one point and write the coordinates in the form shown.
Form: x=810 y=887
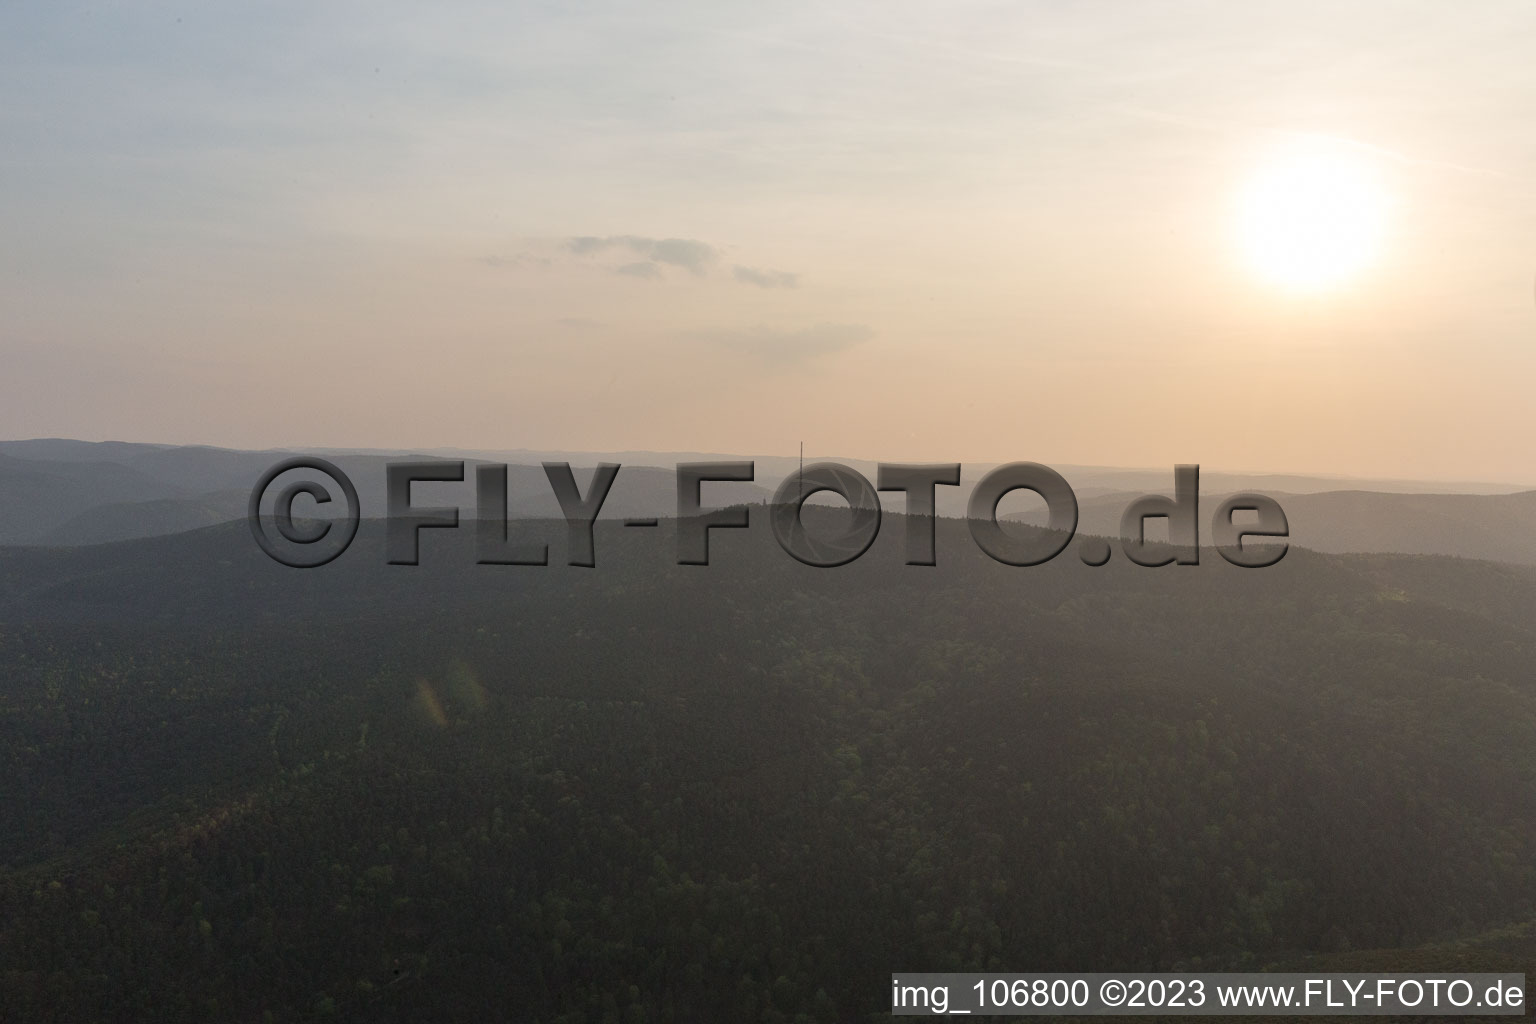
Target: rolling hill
x=741 y=791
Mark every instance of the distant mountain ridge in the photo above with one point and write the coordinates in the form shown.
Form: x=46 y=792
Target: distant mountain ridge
x=57 y=491
x=1493 y=527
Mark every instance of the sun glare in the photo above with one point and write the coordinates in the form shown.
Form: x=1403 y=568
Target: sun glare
x=1312 y=218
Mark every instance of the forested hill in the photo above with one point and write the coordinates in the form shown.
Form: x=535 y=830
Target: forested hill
x=747 y=791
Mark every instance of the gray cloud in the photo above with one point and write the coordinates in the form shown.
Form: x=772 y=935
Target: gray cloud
x=683 y=252
x=766 y=278
x=692 y=255
x=647 y=270
x=786 y=347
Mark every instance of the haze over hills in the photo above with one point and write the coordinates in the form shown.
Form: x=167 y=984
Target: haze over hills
x=1497 y=527
x=38 y=495
x=63 y=492
x=115 y=521
x=202 y=468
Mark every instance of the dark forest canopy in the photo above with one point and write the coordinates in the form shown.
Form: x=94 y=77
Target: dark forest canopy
x=747 y=791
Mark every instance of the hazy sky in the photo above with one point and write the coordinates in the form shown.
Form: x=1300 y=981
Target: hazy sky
x=920 y=231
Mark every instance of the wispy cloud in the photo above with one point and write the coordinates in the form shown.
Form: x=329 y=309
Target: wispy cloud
x=658 y=254
x=782 y=347
x=688 y=253
x=766 y=278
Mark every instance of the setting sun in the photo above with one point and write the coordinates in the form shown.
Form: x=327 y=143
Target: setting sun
x=1312 y=219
